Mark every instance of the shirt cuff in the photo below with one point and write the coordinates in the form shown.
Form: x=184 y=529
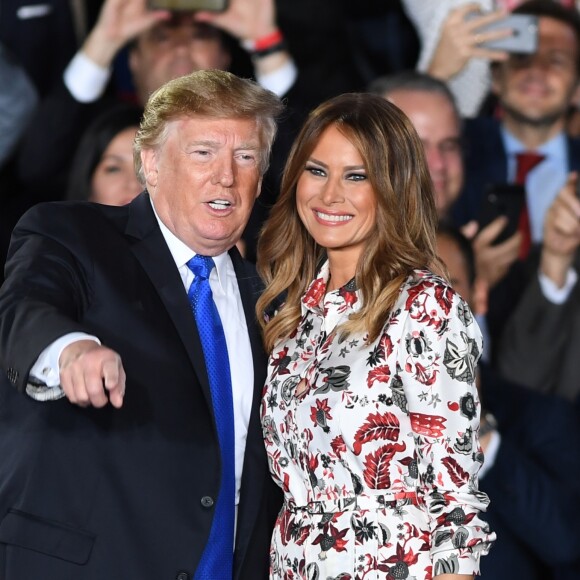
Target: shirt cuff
x=85 y=80
x=554 y=294
x=280 y=80
x=490 y=453
x=44 y=376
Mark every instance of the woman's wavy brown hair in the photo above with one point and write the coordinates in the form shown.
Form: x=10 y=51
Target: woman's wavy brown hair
x=406 y=219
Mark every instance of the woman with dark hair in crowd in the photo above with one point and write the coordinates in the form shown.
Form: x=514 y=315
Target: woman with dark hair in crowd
x=103 y=170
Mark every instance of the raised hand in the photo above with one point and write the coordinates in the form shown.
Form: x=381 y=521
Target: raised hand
x=492 y=261
x=561 y=233
x=119 y=22
x=244 y=19
x=461 y=38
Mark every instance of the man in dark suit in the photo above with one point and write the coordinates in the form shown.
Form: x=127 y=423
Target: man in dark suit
x=111 y=447
x=541 y=340
x=534 y=93
x=531 y=471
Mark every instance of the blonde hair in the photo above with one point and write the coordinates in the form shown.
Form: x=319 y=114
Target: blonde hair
x=208 y=93
x=406 y=218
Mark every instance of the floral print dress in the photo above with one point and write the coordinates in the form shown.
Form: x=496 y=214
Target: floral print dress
x=375 y=445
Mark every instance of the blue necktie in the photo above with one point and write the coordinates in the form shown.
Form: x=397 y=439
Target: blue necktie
x=217 y=558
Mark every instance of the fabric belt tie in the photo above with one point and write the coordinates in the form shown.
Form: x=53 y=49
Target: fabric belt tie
x=355 y=503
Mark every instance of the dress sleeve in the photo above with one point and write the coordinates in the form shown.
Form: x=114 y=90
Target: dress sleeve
x=438 y=353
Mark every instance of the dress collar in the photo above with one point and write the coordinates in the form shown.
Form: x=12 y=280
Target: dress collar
x=316 y=297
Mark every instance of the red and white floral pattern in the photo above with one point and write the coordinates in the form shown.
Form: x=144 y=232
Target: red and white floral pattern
x=375 y=445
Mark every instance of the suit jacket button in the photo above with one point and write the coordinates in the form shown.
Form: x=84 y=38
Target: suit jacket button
x=206 y=501
x=182 y=576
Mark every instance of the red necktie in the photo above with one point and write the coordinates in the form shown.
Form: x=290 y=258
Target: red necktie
x=525 y=162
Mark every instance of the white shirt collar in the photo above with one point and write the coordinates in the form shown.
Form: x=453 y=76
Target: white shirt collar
x=182 y=253
x=555 y=148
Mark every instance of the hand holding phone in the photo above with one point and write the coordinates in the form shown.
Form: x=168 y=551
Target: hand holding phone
x=460 y=37
x=498 y=245
x=189 y=5
x=522 y=40
x=503 y=199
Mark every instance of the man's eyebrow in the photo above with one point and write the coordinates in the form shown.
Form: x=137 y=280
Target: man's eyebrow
x=248 y=145
x=252 y=145
x=206 y=142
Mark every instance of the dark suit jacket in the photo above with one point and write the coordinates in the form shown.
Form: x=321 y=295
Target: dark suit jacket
x=534 y=485
x=41 y=35
x=540 y=345
x=95 y=494
x=486 y=164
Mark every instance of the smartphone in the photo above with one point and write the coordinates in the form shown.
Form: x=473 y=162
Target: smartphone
x=524 y=38
x=189 y=5
x=505 y=199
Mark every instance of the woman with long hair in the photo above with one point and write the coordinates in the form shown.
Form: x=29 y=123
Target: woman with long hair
x=370 y=411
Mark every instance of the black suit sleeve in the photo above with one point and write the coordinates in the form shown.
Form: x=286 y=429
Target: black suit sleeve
x=45 y=291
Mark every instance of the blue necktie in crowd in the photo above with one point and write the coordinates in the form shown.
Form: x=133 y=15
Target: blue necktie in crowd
x=217 y=558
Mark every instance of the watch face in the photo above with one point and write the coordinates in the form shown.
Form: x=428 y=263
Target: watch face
x=487 y=423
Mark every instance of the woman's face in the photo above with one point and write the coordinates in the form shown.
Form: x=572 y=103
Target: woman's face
x=114 y=181
x=334 y=197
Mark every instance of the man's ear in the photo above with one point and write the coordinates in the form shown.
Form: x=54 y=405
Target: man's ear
x=497 y=72
x=133 y=60
x=259 y=188
x=224 y=58
x=149 y=163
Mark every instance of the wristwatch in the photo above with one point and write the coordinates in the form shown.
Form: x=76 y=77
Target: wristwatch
x=489 y=425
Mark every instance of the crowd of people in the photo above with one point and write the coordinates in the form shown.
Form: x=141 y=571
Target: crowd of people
x=320 y=318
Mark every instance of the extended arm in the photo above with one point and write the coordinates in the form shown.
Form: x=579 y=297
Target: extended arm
x=47 y=289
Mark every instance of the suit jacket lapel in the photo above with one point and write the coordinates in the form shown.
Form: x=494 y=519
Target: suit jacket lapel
x=255 y=469
x=154 y=255
x=152 y=252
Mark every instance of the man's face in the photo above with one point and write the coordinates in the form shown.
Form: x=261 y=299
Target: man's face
x=537 y=89
x=204 y=180
x=436 y=123
x=172 y=49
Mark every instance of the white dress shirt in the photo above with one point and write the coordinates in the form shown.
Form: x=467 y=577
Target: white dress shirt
x=543 y=184
x=86 y=80
x=226 y=295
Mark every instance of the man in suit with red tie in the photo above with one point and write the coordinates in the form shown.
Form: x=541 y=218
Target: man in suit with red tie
x=526 y=145
x=129 y=427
